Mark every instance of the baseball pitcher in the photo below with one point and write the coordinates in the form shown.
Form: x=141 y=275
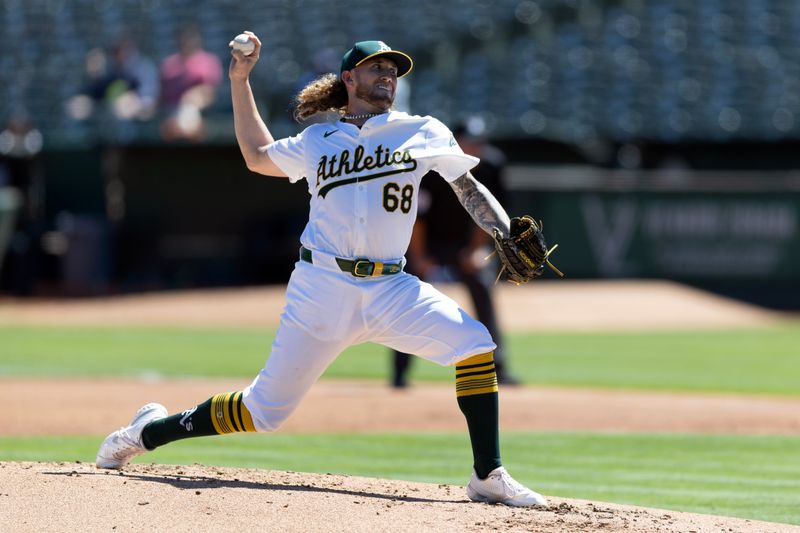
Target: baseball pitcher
x=348 y=286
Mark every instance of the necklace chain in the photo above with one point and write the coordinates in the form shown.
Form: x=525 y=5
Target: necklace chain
x=359 y=117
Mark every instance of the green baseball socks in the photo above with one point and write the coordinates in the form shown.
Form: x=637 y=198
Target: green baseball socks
x=223 y=413
x=476 y=392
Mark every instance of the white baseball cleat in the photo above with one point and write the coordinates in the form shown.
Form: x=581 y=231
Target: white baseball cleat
x=126 y=443
x=500 y=487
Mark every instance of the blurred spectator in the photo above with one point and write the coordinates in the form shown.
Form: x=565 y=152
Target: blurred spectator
x=19 y=141
x=189 y=82
x=123 y=80
x=21 y=204
x=447 y=245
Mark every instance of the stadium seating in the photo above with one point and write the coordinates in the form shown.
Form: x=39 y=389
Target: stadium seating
x=665 y=70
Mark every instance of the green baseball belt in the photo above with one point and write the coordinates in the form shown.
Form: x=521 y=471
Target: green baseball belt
x=361 y=268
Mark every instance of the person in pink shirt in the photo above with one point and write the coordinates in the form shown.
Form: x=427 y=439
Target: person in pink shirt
x=189 y=82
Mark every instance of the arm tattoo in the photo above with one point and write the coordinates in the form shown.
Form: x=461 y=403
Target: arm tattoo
x=482 y=206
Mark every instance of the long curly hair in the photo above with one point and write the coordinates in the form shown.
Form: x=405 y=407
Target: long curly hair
x=326 y=93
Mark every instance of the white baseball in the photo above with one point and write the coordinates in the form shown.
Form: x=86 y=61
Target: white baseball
x=243 y=43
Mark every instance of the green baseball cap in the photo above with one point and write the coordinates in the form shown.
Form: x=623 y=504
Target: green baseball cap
x=364 y=50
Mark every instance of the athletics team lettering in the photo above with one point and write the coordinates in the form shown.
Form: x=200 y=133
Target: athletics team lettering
x=344 y=164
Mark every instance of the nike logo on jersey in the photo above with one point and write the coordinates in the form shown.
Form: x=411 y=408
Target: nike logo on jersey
x=329 y=133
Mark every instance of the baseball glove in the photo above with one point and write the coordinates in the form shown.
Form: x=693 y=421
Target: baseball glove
x=524 y=253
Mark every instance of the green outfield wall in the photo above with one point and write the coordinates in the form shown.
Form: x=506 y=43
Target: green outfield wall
x=720 y=227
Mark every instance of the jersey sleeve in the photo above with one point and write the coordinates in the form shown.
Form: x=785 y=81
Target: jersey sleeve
x=443 y=154
x=289 y=155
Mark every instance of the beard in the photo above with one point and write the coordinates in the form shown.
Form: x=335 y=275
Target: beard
x=374 y=96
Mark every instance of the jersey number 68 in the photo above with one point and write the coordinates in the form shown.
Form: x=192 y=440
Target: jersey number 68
x=391 y=201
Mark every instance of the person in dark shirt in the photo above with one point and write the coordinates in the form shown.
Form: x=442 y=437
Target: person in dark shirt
x=447 y=246
x=121 y=80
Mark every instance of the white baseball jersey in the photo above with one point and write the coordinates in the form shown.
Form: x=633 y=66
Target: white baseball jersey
x=364 y=182
x=363 y=185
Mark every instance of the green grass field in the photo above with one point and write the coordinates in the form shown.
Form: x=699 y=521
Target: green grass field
x=756 y=361
x=754 y=477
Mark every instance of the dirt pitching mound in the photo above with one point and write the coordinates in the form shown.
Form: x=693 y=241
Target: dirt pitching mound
x=78 y=497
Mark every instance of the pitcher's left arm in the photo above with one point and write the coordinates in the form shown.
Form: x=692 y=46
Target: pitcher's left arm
x=519 y=241
x=481 y=204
